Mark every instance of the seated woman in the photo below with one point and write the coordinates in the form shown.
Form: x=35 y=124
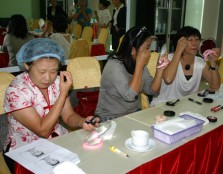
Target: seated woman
x=37 y=98
x=125 y=76
x=60 y=36
x=185 y=71
x=16 y=36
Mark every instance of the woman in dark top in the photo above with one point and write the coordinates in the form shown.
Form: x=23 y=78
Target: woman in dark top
x=118 y=22
x=55 y=10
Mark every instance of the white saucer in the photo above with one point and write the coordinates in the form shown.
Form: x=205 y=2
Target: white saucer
x=150 y=146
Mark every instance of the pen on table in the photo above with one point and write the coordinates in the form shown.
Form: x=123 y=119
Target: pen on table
x=114 y=149
x=190 y=99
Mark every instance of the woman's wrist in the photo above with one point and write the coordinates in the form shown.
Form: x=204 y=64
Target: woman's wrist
x=80 y=123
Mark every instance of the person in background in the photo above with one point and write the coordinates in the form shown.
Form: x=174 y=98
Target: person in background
x=71 y=12
x=17 y=35
x=83 y=14
x=38 y=97
x=59 y=25
x=103 y=15
x=186 y=70
x=125 y=76
x=55 y=10
x=118 y=22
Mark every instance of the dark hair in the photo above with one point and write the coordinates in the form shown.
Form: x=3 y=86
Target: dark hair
x=187 y=31
x=17 y=26
x=134 y=37
x=105 y=3
x=123 y=2
x=60 y=23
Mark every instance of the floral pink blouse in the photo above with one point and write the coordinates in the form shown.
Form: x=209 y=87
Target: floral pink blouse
x=22 y=93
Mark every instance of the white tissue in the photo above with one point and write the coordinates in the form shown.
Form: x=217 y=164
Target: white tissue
x=175 y=125
x=196 y=115
x=67 y=167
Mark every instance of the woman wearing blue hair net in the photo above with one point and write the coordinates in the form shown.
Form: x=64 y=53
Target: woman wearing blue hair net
x=38 y=97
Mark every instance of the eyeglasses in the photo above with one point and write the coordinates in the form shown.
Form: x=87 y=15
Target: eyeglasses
x=140 y=31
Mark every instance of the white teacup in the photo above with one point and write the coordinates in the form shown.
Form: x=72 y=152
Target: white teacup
x=140 y=138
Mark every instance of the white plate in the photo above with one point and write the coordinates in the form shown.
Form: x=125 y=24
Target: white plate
x=150 y=146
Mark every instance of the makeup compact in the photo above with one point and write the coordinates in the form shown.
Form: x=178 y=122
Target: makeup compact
x=169 y=113
x=208 y=100
x=212 y=119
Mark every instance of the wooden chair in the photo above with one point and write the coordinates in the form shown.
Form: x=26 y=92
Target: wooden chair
x=120 y=41
x=85 y=72
x=87 y=33
x=77 y=30
x=35 y=24
x=103 y=36
x=68 y=30
x=80 y=48
x=5 y=79
x=3 y=166
x=152 y=64
x=220 y=68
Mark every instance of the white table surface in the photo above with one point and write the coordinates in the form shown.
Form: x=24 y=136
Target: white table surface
x=105 y=161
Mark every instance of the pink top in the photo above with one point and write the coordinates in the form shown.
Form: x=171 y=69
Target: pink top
x=22 y=93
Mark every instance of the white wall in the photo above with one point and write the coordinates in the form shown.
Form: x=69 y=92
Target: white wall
x=193 y=14
x=210 y=18
x=203 y=15
x=131 y=14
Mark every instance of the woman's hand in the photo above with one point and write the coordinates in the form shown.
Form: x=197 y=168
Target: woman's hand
x=163 y=62
x=181 y=44
x=214 y=57
x=65 y=81
x=142 y=57
x=89 y=123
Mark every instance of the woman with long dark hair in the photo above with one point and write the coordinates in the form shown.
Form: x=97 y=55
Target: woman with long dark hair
x=16 y=36
x=126 y=76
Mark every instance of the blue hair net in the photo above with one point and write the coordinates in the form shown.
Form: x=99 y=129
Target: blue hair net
x=39 y=48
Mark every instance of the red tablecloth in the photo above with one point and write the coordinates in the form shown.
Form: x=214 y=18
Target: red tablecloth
x=4 y=60
x=203 y=155
x=97 y=50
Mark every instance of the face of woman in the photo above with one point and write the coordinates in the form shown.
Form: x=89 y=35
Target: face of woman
x=82 y=2
x=145 y=48
x=43 y=72
x=54 y=3
x=115 y=2
x=100 y=6
x=192 y=45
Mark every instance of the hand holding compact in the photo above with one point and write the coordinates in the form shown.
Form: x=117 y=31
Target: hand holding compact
x=91 y=122
x=211 y=54
x=163 y=61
